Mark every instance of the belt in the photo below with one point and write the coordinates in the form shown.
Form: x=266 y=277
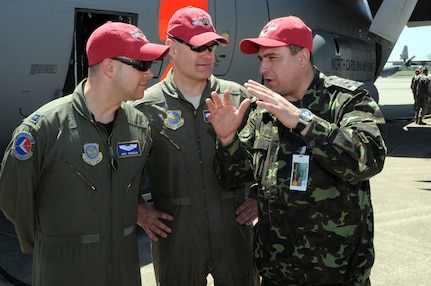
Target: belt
x=79 y=239
x=186 y=201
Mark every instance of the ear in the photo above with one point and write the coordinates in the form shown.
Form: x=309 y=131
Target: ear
x=172 y=46
x=108 y=67
x=304 y=57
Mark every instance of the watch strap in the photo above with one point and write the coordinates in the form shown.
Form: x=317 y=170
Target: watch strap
x=300 y=126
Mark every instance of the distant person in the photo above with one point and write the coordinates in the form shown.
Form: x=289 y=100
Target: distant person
x=71 y=175
x=211 y=231
x=413 y=87
x=422 y=96
x=311 y=143
x=413 y=84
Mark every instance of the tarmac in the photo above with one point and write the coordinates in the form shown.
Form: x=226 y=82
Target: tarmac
x=401 y=196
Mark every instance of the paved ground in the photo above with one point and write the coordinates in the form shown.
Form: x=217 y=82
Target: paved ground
x=401 y=196
x=402 y=193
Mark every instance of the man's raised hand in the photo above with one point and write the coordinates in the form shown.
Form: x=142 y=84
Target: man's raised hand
x=224 y=117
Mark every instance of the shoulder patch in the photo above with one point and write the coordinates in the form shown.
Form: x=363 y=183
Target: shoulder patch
x=35 y=118
x=348 y=84
x=23 y=144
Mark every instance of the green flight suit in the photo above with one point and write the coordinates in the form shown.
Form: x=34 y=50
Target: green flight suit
x=72 y=190
x=205 y=236
x=322 y=235
x=422 y=97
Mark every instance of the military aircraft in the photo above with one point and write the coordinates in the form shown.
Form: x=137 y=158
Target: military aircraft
x=392 y=67
x=405 y=63
x=43 y=42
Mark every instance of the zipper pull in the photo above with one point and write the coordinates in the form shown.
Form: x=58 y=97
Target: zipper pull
x=114 y=164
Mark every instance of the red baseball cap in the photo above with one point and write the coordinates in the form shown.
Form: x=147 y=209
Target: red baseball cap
x=194 y=26
x=115 y=39
x=280 y=32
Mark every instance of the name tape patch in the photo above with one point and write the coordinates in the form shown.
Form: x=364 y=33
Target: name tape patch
x=128 y=149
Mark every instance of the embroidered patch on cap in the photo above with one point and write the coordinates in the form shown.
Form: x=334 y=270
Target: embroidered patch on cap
x=128 y=149
x=202 y=21
x=173 y=119
x=92 y=154
x=270 y=27
x=23 y=144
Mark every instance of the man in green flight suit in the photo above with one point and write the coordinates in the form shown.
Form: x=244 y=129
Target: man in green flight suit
x=71 y=175
x=211 y=228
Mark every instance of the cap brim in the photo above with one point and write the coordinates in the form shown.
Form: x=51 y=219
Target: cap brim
x=252 y=45
x=152 y=52
x=202 y=39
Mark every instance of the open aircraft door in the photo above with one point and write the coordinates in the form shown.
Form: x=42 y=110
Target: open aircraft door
x=86 y=21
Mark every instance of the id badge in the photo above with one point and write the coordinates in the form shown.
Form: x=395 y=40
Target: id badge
x=299 y=175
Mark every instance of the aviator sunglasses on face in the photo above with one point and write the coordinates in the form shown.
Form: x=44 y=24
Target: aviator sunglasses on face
x=142 y=66
x=198 y=49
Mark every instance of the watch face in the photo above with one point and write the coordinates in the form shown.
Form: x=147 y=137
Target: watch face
x=306 y=114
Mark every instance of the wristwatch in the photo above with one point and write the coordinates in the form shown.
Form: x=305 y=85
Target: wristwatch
x=305 y=117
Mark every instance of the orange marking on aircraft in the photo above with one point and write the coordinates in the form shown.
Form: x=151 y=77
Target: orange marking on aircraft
x=167 y=9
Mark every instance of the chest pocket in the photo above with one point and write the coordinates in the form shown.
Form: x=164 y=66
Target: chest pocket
x=318 y=176
x=266 y=148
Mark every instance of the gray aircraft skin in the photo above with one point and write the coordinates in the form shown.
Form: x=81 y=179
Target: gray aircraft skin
x=43 y=42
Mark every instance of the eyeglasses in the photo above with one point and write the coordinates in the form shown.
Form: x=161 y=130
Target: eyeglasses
x=198 y=49
x=142 y=66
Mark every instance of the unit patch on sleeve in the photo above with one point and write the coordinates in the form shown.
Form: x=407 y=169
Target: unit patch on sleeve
x=128 y=149
x=23 y=144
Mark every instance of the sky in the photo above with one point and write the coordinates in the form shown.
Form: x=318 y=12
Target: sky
x=418 y=41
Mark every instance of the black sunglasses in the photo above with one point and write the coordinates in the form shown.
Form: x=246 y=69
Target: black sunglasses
x=198 y=49
x=139 y=65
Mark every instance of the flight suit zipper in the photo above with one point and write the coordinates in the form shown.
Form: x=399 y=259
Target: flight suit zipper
x=171 y=141
x=129 y=186
x=91 y=186
x=112 y=160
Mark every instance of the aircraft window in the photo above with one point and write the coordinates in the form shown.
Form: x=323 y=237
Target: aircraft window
x=337 y=47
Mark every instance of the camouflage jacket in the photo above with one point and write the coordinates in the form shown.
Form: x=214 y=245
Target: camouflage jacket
x=324 y=234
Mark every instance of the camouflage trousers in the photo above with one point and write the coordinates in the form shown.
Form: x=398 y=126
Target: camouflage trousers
x=266 y=282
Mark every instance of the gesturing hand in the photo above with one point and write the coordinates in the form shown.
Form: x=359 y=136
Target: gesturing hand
x=224 y=117
x=284 y=110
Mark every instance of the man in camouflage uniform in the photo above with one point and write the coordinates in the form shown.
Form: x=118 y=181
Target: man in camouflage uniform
x=421 y=96
x=413 y=87
x=311 y=144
